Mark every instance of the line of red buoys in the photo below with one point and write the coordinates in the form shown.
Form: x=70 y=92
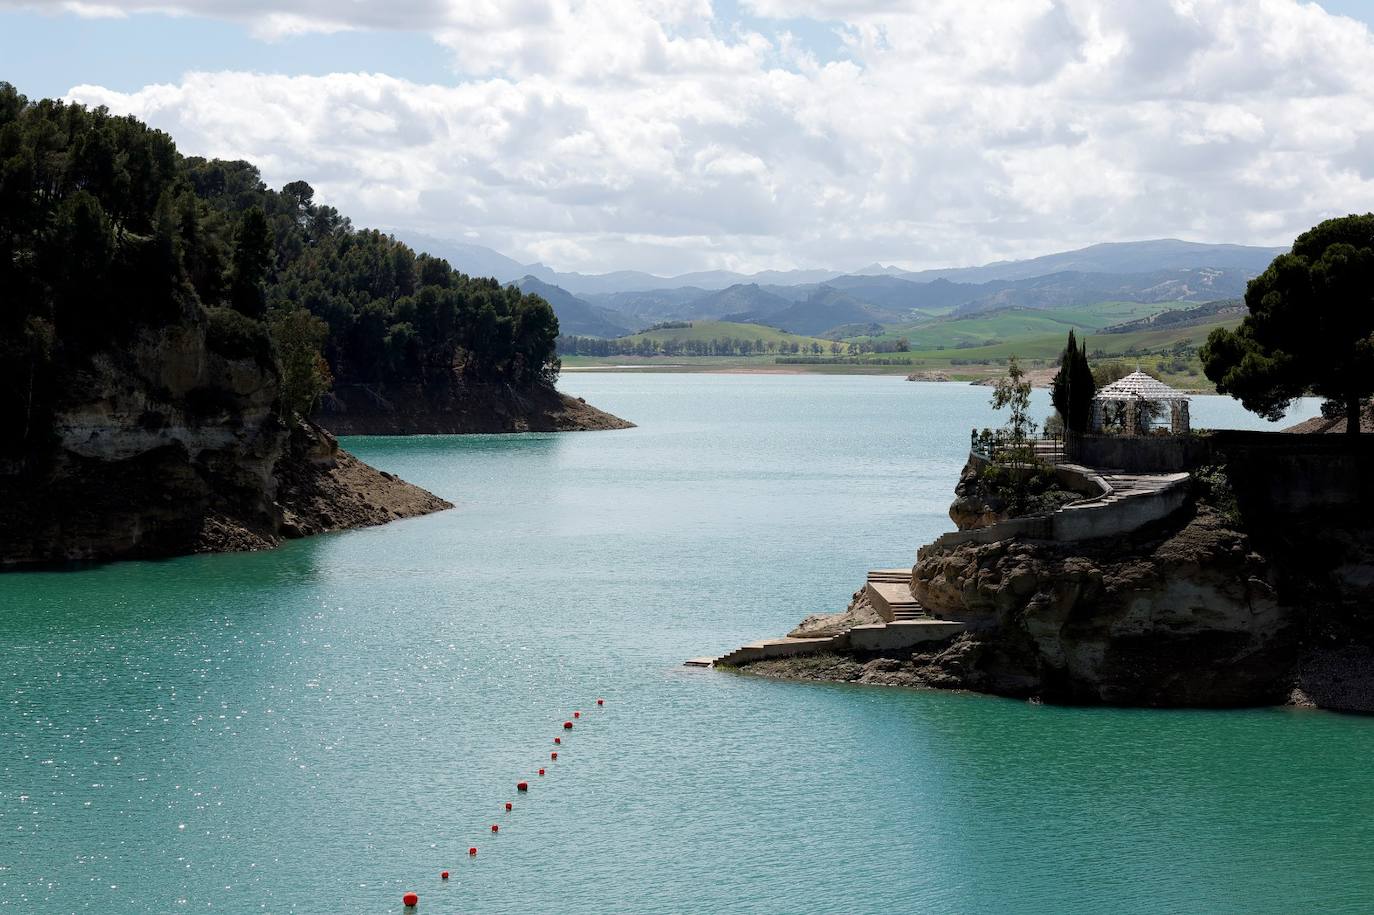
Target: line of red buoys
x=411 y=899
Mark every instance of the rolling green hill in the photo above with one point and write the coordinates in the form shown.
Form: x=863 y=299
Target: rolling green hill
x=701 y=331
x=1169 y=352
x=1011 y=324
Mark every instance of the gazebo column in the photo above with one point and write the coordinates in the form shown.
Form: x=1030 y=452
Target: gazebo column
x=1130 y=418
x=1183 y=425
x=1095 y=420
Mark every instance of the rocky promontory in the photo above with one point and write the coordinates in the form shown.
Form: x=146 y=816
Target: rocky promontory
x=1240 y=597
x=177 y=442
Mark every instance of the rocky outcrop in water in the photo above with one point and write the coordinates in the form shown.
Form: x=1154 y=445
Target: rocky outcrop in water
x=1186 y=616
x=1239 y=598
x=177 y=443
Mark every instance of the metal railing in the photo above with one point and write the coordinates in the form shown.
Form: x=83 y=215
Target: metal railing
x=999 y=446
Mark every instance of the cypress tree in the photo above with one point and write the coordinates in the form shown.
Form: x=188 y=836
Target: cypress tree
x=1073 y=387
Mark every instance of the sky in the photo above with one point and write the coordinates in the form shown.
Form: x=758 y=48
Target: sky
x=679 y=135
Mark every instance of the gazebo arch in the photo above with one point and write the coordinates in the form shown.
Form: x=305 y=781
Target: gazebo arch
x=1135 y=389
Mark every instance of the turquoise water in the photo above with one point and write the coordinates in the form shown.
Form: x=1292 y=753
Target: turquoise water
x=323 y=727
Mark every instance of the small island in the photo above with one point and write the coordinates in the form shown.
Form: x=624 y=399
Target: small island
x=1122 y=557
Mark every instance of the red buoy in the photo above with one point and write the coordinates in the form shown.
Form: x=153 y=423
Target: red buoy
x=522 y=786
x=558 y=740
x=541 y=771
x=443 y=875
x=577 y=714
x=472 y=852
x=553 y=755
x=508 y=805
x=495 y=828
x=411 y=900
x=601 y=702
x=567 y=725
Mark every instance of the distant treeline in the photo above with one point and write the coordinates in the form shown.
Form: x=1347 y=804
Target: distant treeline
x=841 y=360
x=719 y=346
x=900 y=345
x=666 y=325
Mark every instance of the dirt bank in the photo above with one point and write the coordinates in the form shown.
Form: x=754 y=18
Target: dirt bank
x=461 y=409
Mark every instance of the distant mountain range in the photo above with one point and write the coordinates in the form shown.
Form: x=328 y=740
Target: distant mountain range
x=577 y=317
x=813 y=302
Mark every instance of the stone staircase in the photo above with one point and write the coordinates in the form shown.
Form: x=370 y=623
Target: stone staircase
x=889 y=590
x=1127 y=485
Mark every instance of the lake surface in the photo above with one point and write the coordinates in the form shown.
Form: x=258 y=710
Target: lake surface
x=325 y=726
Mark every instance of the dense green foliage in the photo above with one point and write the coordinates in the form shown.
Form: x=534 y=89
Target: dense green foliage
x=106 y=229
x=1073 y=387
x=1310 y=328
x=1030 y=489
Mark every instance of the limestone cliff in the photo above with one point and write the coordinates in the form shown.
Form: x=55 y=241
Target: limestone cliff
x=1238 y=598
x=173 y=441
x=1188 y=615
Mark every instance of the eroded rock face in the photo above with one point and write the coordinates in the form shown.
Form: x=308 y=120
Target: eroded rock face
x=1190 y=618
x=1241 y=597
x=163 y=446
x=973 y=505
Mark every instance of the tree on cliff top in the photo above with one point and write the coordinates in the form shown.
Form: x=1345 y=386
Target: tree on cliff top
x=1310 y=329
x=1073 y=386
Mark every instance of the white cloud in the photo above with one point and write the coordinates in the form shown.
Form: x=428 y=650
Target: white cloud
x=613 y=133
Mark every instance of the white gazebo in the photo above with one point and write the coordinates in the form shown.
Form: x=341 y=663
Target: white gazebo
x=1134 y=393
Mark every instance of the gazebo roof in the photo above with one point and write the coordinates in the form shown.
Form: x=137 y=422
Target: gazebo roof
x=1139 y=386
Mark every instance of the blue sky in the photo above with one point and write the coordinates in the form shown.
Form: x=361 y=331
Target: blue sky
x=47 y=53
x=674 y=135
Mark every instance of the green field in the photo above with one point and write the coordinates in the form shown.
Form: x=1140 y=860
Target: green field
x=1020 y=323
x=1169 y=353
x=1154 y=350
x=703 y=331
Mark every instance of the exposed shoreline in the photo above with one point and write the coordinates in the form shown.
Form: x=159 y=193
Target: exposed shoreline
x=159 y=504
x=459 y=410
